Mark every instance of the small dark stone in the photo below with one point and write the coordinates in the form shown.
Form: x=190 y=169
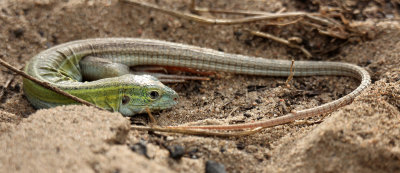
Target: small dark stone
x=222 y=149
x=54 y=39
x=41 y=33
x=251 y=88
x=17 y=87
x=247 y=115
x=4 y=11
x=26 y=11
x=176 y=152
x=238 y=94
x=18 y=32
x=240 y=146
x=237 y=33
x=192 y=153
x=220 y=49
x=249 y=108
x=140 y=148
x=214 y=167
x=165 y=27
x=392 y=143
x=267 y=156
x=248 y=42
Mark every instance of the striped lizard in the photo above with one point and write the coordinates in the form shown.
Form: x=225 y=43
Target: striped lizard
x=64 y=67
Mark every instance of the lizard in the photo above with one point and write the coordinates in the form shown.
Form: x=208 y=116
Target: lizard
x=116 y=89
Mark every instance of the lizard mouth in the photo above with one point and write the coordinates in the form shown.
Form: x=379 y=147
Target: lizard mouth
x=130 y=111
x=163 y=105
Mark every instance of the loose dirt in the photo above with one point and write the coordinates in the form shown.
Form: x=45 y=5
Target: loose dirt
x=361 y=137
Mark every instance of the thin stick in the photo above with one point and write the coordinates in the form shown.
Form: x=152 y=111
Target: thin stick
x=258 y=15
x=151 y=117
x=206 y=20
x=242 y=12
x=197 y=132
x=341 y=35
x=284 y=23
x=280 y=40
x=47 y=85
x=321 y=20
x=290 y=77
x=192 y=6
x=195 y=9
x=395 y=10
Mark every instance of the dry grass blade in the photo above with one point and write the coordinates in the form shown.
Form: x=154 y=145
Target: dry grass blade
x=341 y=35
x=197 y=132
x=206 y=20
x=290 y=77
x=322 y=22
x=258 y=15
x=153 y=121
x=280 y=40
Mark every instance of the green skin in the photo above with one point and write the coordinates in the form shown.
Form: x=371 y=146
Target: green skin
x=129 y=96
x=126 y=93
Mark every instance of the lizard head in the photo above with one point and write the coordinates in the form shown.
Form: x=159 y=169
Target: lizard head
x=145 y=92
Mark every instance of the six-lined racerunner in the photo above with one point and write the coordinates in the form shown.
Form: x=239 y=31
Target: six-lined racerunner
x=64 y=67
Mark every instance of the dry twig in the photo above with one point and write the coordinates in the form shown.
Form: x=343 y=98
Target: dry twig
x=290 y=77
x=206 y=20
x=280 y=40
x=325 y=25
x=151 y=117
x=197 y=132
x=335 y=29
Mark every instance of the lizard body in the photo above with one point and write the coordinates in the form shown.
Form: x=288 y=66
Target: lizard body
x=131 y=94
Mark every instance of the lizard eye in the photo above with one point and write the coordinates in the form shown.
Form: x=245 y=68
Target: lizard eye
x=154 y=94
x=125 y=100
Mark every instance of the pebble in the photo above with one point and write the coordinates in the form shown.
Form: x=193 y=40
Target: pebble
x=18 y=32
x=176 y=152
x=192 y=153
x=170 y=138
x=247 y=115
x=240 y=146
x=214 y=167
x=140 y=148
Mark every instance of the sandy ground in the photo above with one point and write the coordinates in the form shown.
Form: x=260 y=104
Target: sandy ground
x=361 y=137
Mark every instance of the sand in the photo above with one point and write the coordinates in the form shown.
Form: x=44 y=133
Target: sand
x=361 y=137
